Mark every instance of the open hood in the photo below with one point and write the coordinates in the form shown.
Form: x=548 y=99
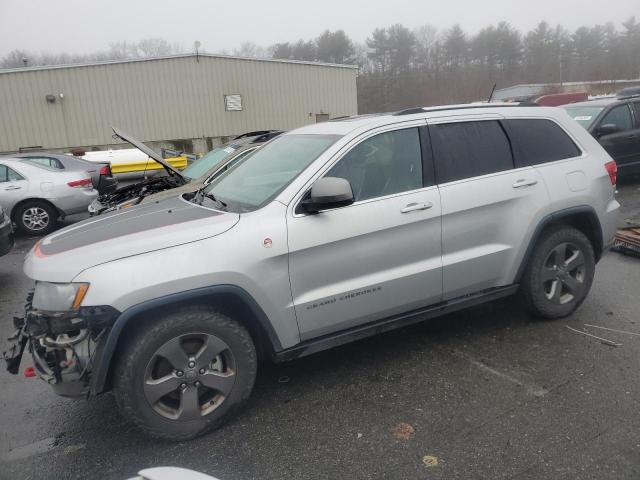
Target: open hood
x=147 y=151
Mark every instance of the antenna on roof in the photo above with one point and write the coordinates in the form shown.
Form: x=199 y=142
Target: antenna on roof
x=491 y=94
x=196 y=45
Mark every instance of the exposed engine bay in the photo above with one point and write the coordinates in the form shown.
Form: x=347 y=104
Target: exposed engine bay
x=133 y=194
x=62 y=346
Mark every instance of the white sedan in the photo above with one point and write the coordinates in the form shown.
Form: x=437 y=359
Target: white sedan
x=35 y=196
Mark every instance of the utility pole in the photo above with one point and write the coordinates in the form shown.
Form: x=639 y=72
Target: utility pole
x=560 y=64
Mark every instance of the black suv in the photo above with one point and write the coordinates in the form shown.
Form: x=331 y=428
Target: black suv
x=615 y=123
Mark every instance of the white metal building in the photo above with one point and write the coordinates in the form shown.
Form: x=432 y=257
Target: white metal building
x=192 y=101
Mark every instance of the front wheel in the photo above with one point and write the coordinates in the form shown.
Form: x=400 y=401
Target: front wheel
x=36 y=217
x=184 y=374
x=559 y=274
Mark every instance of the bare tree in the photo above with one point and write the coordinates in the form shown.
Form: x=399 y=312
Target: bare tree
x=251 y=50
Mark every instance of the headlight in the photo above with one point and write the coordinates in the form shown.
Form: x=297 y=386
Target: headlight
x=59 y=297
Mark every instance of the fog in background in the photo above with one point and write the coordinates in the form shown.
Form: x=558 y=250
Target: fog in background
x=83 y=26
x=409 y=53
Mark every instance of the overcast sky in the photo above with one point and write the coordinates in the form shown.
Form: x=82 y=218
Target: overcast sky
x=80 y=26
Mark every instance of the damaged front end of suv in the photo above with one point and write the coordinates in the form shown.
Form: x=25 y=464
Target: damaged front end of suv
x=61 y=336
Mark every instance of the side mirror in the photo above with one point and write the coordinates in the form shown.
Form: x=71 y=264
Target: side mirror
x=327 y=193
x=608 y=129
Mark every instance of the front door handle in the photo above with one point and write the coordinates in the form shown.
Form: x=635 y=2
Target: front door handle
x=412 y=207
x=13 y=187
x=524 y=183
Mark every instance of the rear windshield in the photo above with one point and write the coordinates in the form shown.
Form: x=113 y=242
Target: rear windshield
x=584 y=115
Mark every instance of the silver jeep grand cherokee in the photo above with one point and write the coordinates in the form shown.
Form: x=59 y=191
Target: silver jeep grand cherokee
x=327 y=234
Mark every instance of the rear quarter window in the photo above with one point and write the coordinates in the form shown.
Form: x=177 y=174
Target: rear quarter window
x=536 y=141
x=469 y=149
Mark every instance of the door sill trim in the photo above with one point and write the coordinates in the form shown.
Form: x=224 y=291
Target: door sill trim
x=359 y=332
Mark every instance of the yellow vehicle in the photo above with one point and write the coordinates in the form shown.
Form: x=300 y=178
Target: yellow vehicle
x=132 y=160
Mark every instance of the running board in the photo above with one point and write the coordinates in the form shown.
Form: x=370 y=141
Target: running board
x=342 y=337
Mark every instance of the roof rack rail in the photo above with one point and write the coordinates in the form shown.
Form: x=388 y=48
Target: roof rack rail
x=625 y=97
x=412 y=111
x=267 y=136
x=628 y=92
x=253 y=134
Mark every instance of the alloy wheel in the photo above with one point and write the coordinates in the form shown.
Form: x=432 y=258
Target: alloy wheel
x=189 y=376
x=35 y=218
x=563 y=273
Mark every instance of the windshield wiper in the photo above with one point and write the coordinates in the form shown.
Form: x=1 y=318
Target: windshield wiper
x=212 y=197
x=201 y=194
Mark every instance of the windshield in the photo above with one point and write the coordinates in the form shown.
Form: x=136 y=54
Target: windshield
x=259 y=178
x=584 y=115
x=201 y=166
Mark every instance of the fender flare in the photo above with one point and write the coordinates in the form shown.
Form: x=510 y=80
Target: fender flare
x=554 y=217
x=105 y=352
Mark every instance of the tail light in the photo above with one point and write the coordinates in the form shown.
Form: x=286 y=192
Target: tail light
x=105 y=170
x=84 y=183
x=612 y=170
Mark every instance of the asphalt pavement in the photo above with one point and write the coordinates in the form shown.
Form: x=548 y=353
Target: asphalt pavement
x=487 y=393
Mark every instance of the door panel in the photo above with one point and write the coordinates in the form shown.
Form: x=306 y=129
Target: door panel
x=487 y=205
x=485 y=222
x=623 y=146
x=365 y=262
x=379 y=256
x=13 y=187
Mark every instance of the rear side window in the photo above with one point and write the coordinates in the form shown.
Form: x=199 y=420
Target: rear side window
x=469 y=149
x=538 y=141
x=8 y=175
x=47 y=162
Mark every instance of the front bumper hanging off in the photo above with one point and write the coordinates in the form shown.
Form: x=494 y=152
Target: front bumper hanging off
x=62 y=345
x=18 y=340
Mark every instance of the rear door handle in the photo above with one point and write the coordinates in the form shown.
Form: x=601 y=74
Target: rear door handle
x=13 y=187
x=412 y=207
x=524 y=183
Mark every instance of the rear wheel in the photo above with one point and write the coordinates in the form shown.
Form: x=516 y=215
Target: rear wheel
x=35 y=217
x=559 y=274
x=186 y=373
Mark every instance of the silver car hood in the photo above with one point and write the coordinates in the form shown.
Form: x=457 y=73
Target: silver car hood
x=61 y=256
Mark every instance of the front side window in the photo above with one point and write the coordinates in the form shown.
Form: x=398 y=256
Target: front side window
x=469 y=149
x=265 y=173
x=9 y=175
x=537 y=141
x=619 y=116
x=382 y=165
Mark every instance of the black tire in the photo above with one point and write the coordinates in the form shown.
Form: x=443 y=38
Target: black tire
x=553 y=287
x=29 y=210
x=145 y=346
